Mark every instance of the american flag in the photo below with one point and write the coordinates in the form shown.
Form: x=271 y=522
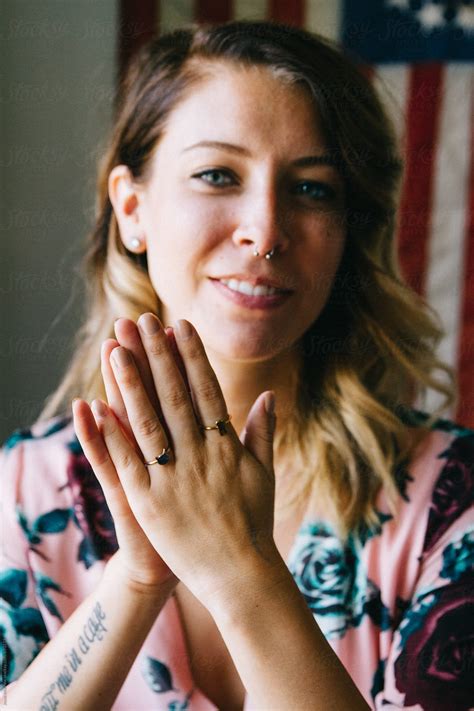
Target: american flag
x=419 y=54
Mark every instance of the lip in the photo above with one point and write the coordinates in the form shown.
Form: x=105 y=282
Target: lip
x=271 y=301
x=254 y=281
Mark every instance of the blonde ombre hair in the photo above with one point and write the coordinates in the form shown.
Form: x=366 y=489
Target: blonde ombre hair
x=370 y=355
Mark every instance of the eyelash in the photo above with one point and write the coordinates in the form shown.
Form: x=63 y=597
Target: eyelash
x=330 y=193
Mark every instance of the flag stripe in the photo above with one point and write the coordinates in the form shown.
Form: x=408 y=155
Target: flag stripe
x=290 y=13
x=465 y=411
x=175 y=14
x=250 y=9
x=137 y=24
x=213 y=10
x=324 y=18
x=444 y=271
x=424 y=97
x=391 y=81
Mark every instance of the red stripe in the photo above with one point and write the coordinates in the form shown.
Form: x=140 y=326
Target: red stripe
x=425 y=91
x=213 y=10
x=138 y=22
x=465 y=411
x=290 y=13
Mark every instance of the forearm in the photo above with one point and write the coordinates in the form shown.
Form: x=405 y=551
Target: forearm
x=86 y=663
x=281 y=655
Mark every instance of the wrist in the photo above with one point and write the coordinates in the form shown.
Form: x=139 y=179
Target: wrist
x=117 y=573
x=254 y=579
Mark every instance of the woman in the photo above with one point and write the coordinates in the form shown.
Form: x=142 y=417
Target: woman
x=248 y=197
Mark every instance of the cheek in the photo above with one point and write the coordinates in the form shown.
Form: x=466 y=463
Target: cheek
x=322 y=260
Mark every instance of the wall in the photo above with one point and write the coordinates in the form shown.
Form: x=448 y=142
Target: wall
x=57 y=83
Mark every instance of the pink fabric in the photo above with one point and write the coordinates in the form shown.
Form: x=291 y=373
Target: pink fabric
x=359 y=596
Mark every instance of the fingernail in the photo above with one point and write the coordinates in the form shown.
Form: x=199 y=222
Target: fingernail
x=270 y=403
x=121 y=357
x=99 y=408
x=183 y=329
x=149 y=324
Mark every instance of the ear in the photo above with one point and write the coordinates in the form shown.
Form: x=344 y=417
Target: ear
x=124 y=198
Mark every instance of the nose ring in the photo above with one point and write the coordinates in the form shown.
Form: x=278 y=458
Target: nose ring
x=268 y=255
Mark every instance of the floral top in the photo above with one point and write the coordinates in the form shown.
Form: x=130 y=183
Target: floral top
x=396 y=603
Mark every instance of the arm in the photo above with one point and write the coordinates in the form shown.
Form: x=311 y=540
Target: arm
x=281 y=655
x=87 y=661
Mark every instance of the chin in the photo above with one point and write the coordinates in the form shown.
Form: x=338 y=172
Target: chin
x=247 y=347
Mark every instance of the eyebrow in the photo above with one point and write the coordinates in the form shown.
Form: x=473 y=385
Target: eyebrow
x=306 y=161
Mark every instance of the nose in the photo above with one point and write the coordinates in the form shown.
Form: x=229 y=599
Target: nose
x=260 y=225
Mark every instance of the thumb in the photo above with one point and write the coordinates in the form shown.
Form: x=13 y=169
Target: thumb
x=259 y=429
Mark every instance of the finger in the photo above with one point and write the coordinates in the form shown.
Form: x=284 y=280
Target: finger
x=128 y=336
x=172 y=390
x=128 y=466
x=260 y=428
x=96 y=452
x=177 y=355
x=145 y=423
x=114 y=396
x=207 y=393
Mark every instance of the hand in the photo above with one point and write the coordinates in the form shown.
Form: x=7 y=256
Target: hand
x=140 y=562
x=209 y=511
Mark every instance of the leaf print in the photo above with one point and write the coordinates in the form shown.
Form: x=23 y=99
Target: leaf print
x=157 y=675
x=7 y=660
x=85 y=553
x=13 y=585
x=402 y=478
x=23 y=521
x=28 y=621
x=178 y=706
x=378 y=679
x=26 y=433
x=54 y=521
x=414 y=418
x=43 y=584
x=458 y=557
x=17 y=436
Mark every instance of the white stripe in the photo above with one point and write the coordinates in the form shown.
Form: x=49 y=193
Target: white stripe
x=445 y=272
x=250 y=9
x=173 y=14
x=324 y=18
x=392 y=82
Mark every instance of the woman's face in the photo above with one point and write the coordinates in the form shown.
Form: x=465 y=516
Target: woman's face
x=207 y=207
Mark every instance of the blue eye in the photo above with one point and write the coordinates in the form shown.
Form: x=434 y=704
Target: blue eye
x=315 y=190
x=212 y=177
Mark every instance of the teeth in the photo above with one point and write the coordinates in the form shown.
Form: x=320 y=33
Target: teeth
x=245 y=288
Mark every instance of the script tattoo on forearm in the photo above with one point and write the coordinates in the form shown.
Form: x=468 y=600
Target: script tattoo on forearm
x=92 y=632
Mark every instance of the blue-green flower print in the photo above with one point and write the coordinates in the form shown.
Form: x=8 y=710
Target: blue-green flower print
x=333 y=580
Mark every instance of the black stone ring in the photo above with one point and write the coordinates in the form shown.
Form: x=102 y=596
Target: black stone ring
x=163 y=458
x=219 y=425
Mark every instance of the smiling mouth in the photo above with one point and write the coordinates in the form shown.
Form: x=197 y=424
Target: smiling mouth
x=251 y=296
x=244 y=287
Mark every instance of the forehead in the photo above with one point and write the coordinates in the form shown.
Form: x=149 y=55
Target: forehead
x=249 y=103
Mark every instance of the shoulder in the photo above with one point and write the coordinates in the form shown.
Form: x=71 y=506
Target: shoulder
x=441 y=465
x=43 y=433
x=37 y=461
x=445 y=459
x=436 y=486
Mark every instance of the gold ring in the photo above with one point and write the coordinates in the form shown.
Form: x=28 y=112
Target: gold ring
x=162 y=458
x=219 y=425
